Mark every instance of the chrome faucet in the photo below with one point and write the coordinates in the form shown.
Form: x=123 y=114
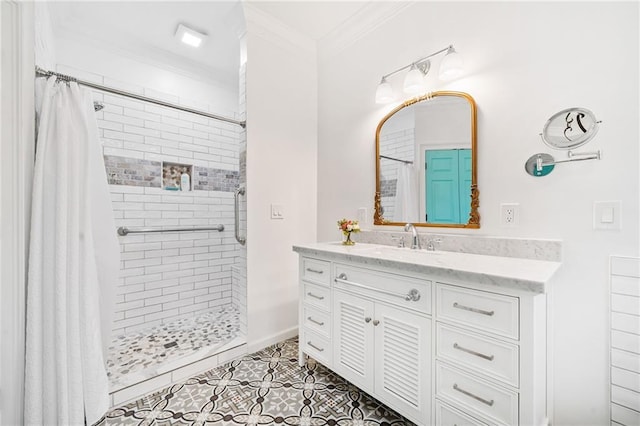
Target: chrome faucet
x=415 y=240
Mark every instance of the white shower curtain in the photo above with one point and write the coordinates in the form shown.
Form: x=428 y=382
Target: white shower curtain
x=73 y=265
x=406 y=201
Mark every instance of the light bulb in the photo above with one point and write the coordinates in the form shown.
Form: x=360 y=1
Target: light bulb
x=413 y=81
x=384 y=92
x=451 y=65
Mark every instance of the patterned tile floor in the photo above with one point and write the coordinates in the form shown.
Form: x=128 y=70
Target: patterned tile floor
x=131 y=354
x=264 y=388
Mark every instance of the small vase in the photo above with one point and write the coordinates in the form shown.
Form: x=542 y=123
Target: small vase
x=348 y=241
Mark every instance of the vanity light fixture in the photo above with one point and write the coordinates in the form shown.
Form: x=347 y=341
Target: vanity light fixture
x=450 y=67
x=189 y=36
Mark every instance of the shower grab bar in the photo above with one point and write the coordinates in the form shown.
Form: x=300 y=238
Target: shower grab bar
x=124 y=231
x=239 y=191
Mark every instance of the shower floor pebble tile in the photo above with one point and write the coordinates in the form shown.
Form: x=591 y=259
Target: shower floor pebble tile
x=138 y=356
x=264 y=388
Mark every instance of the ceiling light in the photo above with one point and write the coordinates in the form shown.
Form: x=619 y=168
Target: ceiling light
x=414 y=81
x=189 y=36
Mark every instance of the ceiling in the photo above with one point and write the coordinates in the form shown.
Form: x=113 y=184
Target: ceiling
x=148 y=27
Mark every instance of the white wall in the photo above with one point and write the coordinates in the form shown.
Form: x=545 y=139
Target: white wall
x=524 y=62
x=281 y=168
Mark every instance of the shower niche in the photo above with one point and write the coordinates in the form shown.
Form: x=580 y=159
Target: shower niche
x=177 y=177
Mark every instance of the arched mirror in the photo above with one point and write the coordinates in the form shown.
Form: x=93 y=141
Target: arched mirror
x=426 y=163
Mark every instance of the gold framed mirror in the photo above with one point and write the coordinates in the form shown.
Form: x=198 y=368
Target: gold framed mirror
x=426 y=163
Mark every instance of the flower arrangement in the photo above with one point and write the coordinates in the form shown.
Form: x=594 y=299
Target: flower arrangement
x=348 y=226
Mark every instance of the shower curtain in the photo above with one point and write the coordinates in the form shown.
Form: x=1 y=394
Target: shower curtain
x=73 y=265
x=406 y=201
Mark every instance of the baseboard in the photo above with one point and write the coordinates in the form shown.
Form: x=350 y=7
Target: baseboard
x=270 y=340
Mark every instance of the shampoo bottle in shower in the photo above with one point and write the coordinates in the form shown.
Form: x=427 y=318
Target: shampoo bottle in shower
x=185 y=182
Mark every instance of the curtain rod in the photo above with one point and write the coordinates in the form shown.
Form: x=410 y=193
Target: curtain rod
x=44 y=73
x=396 y=159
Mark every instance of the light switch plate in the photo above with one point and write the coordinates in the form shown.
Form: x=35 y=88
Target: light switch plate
x=277 y=211
x=607 y=215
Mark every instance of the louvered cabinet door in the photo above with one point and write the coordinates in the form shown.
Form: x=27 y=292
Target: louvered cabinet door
x=403 y=361
x=353 y=338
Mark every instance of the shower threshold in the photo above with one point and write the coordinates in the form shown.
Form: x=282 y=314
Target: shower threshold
x=150 y=359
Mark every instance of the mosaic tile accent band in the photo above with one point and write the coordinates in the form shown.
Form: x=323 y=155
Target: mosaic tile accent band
x=208 y=179
x=264 y=388
x=133 y=171
x=146 y=173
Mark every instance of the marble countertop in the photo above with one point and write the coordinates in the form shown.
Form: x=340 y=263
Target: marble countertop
x=516 y=273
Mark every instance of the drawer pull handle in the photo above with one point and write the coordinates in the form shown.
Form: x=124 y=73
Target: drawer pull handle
x=472 y=352
x=317 y=271
x=320 y=323
x=316 y=296
x=367 y=320
x=376 y=322
x=476 y=397
x=412 y=296
x=315 y=347
x=476 y=310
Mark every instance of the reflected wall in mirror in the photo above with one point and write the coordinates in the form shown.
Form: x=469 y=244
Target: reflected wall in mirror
x=426 y=163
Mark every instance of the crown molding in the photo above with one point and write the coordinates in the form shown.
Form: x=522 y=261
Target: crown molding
x=269 y=28
x=363 y=22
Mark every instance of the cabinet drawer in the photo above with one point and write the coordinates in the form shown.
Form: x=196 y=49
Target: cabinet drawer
x=316 y=295
x=486 y=311
x=317 y=346
x=498 y=404
x=481 y=354
x=317 y=320
x=408 y=292
x=447 y=416
x=316 y=271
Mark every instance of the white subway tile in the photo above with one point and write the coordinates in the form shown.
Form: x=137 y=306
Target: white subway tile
x=125 y=273
x=144 y=115
x=176 y=152
x=178 y=274
x=194 y=308
x=194 y=278
x=138 y=214
x=160 y=284
x=161 y=268
x=110 y=125
x=142 y=262
x=143 y=198
x=123 y=153
x=161 y=253
x=161 y=299
x=141 y=131
x=176 y=137
x=161 y=314
x=144 y=278
x=173 y=244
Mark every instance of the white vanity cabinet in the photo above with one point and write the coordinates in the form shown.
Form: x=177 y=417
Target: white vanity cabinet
x=444 y=341
x=382 y=337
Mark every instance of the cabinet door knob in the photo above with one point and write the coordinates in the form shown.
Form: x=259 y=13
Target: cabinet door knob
x=367 y=319
x=376 y=322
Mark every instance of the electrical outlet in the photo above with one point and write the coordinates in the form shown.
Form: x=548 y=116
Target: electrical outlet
x=509 y=213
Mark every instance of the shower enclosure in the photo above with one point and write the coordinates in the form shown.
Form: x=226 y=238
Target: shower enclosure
x=176 y=171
